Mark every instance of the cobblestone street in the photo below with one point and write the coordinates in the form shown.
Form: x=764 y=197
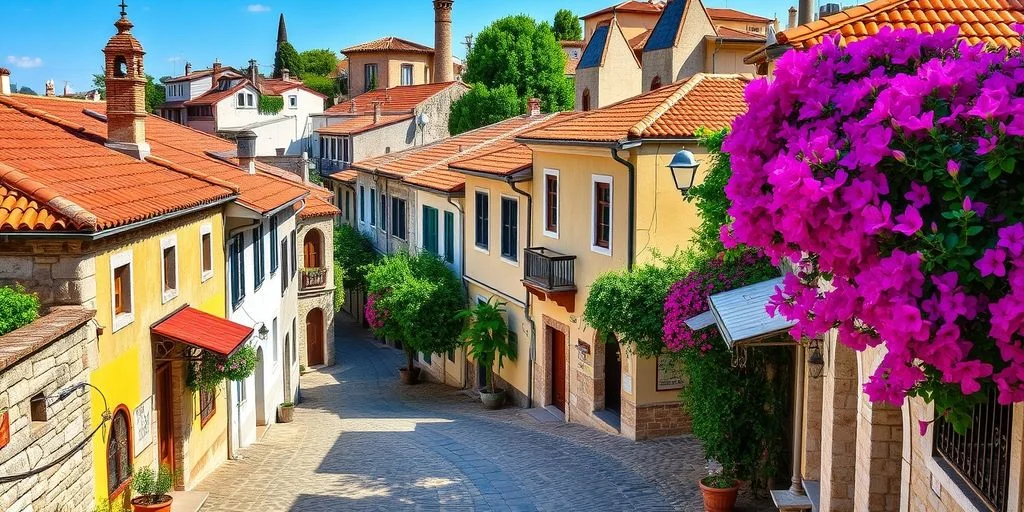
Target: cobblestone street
x=361 y=441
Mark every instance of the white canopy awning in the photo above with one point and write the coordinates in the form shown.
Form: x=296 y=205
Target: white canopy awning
x=741 y=315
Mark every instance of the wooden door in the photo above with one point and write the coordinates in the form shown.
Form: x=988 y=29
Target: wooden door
x=311 y=250
x=165 y=416
x=315 y=337
x=612 y=377
x=558 y=368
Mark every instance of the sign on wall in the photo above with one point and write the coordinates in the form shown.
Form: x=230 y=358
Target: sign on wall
x=142 y=422
x=670 y=374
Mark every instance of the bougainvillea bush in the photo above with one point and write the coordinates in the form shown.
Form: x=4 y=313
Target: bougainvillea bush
x=887 y=171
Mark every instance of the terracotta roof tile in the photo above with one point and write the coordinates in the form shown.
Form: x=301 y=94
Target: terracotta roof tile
x=225 y=72
x=213 y=96
x=980 y=21
x=359 y=123
x=674 y=111
x=638 y=41
x=725 y=14
x=403 y=98
x=279 y=86
x=389 y=44
x=317 y=206
x=18 y=212
x=633 y=6
x=348 y=176
x=505 y=157
x=731 y=33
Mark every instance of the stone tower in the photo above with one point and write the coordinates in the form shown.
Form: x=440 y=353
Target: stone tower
x=443 y=64
x=282 y=32
x=126 y=91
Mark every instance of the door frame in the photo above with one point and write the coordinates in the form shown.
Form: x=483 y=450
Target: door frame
x=546 y=387
x=164 y=398
x=260 y=386
x=322 y=339
x=610 y=350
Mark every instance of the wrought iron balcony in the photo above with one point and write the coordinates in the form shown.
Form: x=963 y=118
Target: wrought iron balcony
x=312 y=278
x=549 y=271
x=327 y=166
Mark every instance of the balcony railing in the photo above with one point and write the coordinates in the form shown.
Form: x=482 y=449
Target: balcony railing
x=550 y=271
x=313 y=278
x=326 y=166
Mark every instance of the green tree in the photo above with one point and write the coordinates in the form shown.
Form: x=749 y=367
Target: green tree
x=353 y=252
x=567 y=26
x=418 y=298
x=519 y=52
x=322 y=84
x=287 y=58
x=318 y=62
x=23 y=90
x=482 y=106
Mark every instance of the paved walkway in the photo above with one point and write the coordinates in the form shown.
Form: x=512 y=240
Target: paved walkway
x=361 y=441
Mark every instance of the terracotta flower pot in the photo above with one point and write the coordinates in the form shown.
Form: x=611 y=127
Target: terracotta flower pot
x=493 y=400
x=163 y=506
x=285 y=413
x=719 y=500
x=409 y=378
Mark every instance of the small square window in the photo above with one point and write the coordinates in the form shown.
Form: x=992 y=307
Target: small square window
x=169 y=267
x=293 y=101
x=241 y=99
x=121 y=299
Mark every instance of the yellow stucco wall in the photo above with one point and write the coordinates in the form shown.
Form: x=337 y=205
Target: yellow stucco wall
x=125 y=367
x=727 y=57
x=389 y=69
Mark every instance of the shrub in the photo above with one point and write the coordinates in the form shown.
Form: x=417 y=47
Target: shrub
x=486 y=336
x=353 y=251
x=17 y=308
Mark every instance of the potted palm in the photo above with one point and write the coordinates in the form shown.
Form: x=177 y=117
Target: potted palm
x=151 y=489
x=486 y=340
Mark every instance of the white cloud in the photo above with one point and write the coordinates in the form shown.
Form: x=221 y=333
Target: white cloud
x=257 y=8
x=24 y=62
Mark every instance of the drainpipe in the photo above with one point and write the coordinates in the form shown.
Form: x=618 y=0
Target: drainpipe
x=462 y=272
x=529 y=296
x=631 y=214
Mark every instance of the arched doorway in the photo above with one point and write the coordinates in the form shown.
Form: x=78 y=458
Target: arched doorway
x=656 y=83
x=261 y=406
x=586 y=100
x=612 y=376
x=315 y=337
x=312 y=249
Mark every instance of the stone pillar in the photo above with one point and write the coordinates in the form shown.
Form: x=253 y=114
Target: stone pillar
x=444 y=69
x=813 y=388
x=840 y=397
x=879 y=447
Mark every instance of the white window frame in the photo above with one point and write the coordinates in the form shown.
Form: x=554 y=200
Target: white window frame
x=558 y=212
x=293 y=101
x=206 y=229
x=485 y=250
x=121 y=320
x=168 y=242
x=501 y=227
x=594 y=180
x=240 y=99
x=250 y=100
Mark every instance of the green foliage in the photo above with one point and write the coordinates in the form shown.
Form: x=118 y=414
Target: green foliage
x=739 y=414
x=17 y=308
x=270 y=104
x=486 y=336
x=322 y=84
x=372 y=86
x=339 y=287
x=482 y=106
x=287 y=58
x=353 y=252
x=318 y=62
x=153 y=487
x=709 y=195
x=210 y=370
x=24 y=90
x=630 y=304
x=567 y=26
x=421 y=298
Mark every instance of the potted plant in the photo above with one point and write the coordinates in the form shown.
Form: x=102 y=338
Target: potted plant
x=285 y=412
x=719 y=490
x=486 y=340
x=151 y=489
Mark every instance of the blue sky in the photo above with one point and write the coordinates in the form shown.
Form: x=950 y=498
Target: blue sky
x=62 y=40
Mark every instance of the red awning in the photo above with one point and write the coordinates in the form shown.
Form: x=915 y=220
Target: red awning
x=203 y=330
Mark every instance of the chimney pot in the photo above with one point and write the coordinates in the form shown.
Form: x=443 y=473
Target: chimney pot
x=792 y=18
x=5 y=82
x=444 y=64
x=806 y=12
x=188 y=68
x=49 y=88
x=377 y=110
x=533 y=107
x=245 y=149
x=285 y=74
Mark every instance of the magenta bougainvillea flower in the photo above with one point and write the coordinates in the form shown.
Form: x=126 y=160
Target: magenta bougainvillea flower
x=887 y=171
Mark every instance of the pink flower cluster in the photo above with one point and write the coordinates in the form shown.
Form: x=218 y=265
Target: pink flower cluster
x=877 y=168
x=375 y=316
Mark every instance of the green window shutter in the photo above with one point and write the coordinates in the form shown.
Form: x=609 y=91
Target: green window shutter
x=449 y=237
x=430 y=229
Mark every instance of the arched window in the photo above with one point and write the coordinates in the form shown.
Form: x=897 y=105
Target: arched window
x=586 y=100
x=656 y=83
x=312 y=253
x=119 y=452
x=120 y=67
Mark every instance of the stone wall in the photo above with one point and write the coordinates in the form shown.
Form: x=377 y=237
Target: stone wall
x=52 y=354
x=322 y=298
x=56 y=271
x=661 y=420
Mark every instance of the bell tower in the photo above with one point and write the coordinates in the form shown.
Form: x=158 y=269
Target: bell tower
x=126 y=90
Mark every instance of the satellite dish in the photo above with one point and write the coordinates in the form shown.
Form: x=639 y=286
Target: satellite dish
x=422 y=120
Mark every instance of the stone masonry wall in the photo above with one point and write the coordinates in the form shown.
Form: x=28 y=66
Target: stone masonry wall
x=32 y=364
x=661 y=420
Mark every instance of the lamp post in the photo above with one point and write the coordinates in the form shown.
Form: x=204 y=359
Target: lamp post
x=684 y=170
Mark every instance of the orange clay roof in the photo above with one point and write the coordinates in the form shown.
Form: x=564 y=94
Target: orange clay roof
x=279 y=86
x=389 y=44
x=348 y=176
x=403 y=98
x=317 y=206
x=214 y=95
x=640 y=40
x=181 y=148
x=648 y=7
x=674 y=111
x=67 y=172
x=505 y=157
x=980 y=21
x=427 y=166
x=725 y=14
x=731 y=33
x=225 y=72
x=359 y=123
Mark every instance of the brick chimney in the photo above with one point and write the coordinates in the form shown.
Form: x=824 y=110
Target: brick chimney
x=49 y=88
x=188 y=68
x=254 y=71
x=5 y=82
x=378 y=107
x=444 y=67
x=126 y=91
x=245 y=149
x=533 y=107
x=67 y=89
x=216 y=72
x=792 y=18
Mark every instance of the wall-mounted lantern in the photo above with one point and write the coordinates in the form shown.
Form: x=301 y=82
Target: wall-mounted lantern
x=684 y=170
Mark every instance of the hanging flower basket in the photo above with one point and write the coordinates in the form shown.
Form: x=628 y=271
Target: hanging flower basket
x=210 y=370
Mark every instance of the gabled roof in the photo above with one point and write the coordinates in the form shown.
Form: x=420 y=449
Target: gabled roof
x=666 y=31
x=725 y=14
x=214 y=95
x=318 y=205
x=675 y=111
x=348 y=176
x=225 y=72
x=428 y=166
x=738 y=35
x=359 y=123
x=279 y=86
x=980 y=21
x=389 y=44
x=400 y=99
x=632 y=6
x=593 y=55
